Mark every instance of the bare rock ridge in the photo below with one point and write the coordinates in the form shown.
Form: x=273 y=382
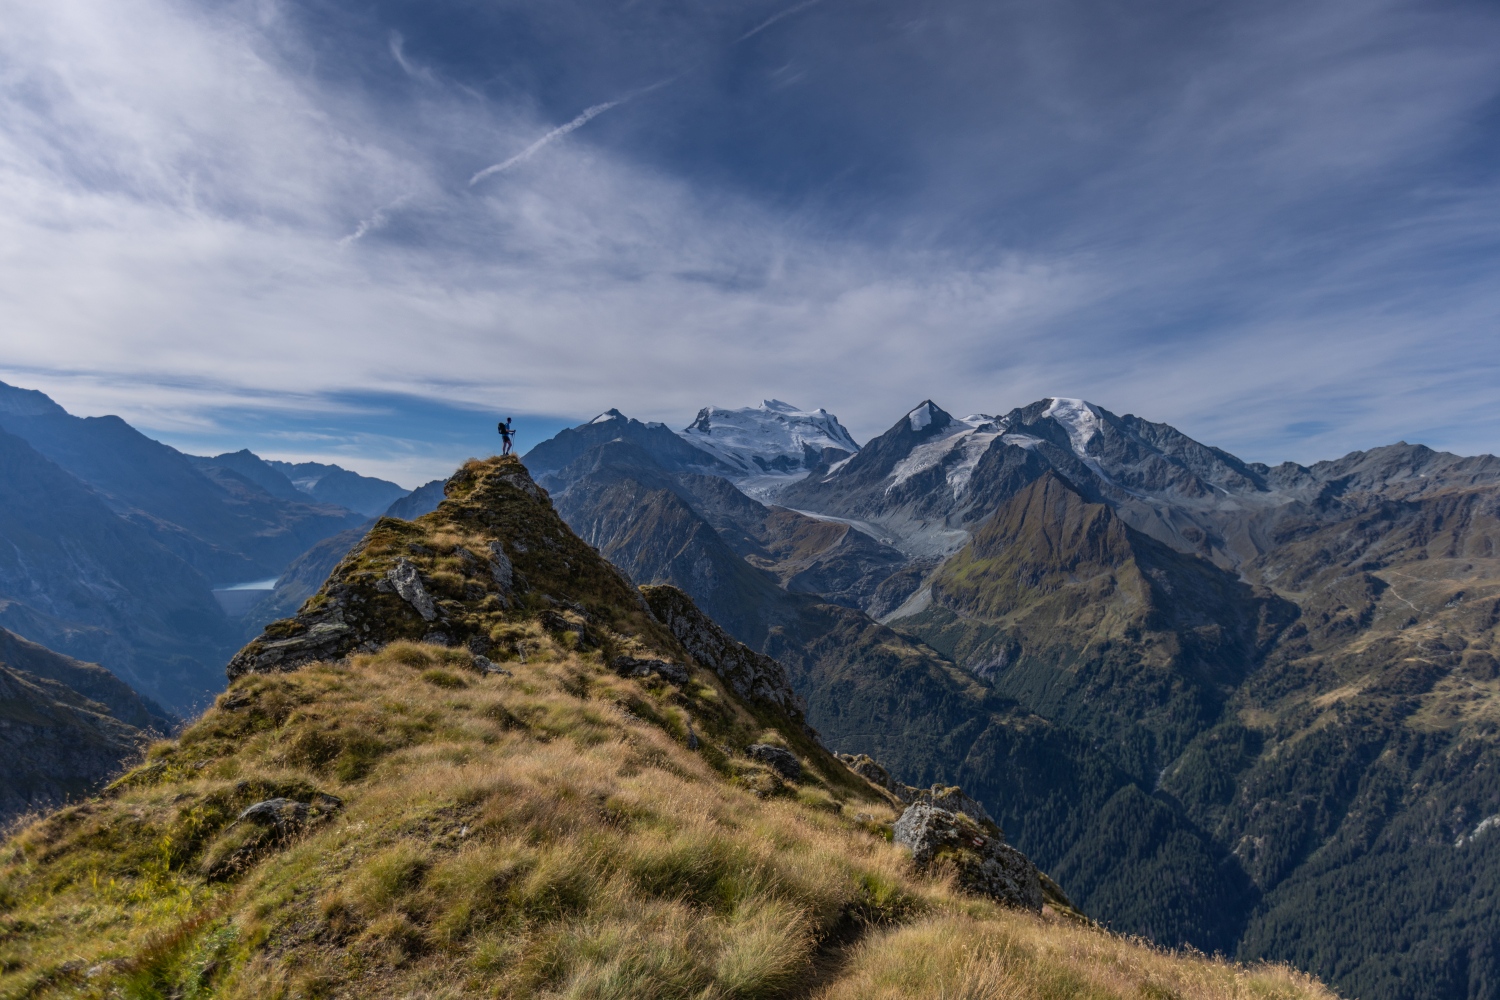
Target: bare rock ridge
x=753 y=676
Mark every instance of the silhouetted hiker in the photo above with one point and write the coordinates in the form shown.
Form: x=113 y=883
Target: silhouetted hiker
x=506 y=432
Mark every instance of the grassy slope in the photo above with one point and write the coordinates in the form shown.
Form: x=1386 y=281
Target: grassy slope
x=546 y=832
x=515 y=836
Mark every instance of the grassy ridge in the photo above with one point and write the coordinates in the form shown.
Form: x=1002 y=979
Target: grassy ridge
x=545 y=833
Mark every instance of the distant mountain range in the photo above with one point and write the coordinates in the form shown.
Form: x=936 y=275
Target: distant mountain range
x=114 y=543
x=1246 y=708
x=1242 y=707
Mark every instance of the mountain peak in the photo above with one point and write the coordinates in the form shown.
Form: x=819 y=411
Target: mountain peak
x=493 y=549
x=17 y=402
x=775 y=438
x=923 y=416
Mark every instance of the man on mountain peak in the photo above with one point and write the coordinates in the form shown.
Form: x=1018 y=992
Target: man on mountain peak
x=507 y=431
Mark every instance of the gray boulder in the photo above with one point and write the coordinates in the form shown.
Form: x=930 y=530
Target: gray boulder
x=953 y=799
x=986 y=865
x=284 y=816
x=784 y=762
x=630 y=666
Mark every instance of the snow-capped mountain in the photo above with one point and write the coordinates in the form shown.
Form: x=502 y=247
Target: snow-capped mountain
x=932 y=475
x=774 y=438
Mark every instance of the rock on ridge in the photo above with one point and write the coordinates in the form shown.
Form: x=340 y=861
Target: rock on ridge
x=985 y=863
x=942 y=823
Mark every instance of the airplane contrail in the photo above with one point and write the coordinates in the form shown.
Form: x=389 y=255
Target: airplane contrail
x=762 y=26
x=557 y=133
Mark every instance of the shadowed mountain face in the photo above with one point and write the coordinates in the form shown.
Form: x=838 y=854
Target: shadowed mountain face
x=331 y=484
x=226 y=527
x=1234 y=705
x=58 y=745
x=65 y=726
x=82 y=580
x=247 y=465
x=87 y=679
x=111 y=544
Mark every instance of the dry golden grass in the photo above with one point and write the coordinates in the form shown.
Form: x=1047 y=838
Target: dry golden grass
x=1005 y=955
x=546 y=834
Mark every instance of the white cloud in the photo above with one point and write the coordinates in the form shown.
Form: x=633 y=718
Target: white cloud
x=189 y=221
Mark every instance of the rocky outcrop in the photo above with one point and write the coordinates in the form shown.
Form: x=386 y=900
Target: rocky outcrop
x=408 y=583
x=322 y=634
x=985 y=864
x=631 y=666
x=753 y=676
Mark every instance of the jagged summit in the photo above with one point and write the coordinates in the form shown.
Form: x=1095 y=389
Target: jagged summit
x=775 y=438
x=664 y=445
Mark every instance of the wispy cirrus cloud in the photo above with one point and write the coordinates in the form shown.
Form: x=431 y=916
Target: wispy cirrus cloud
x=1271 y=227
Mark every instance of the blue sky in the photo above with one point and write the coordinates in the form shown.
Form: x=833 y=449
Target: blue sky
x=359 y=231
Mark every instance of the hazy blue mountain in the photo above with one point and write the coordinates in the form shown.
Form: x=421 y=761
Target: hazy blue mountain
x=422 y=500
x=230 y=530
x=336 y=485
x=251 y=466
x=80 y=579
